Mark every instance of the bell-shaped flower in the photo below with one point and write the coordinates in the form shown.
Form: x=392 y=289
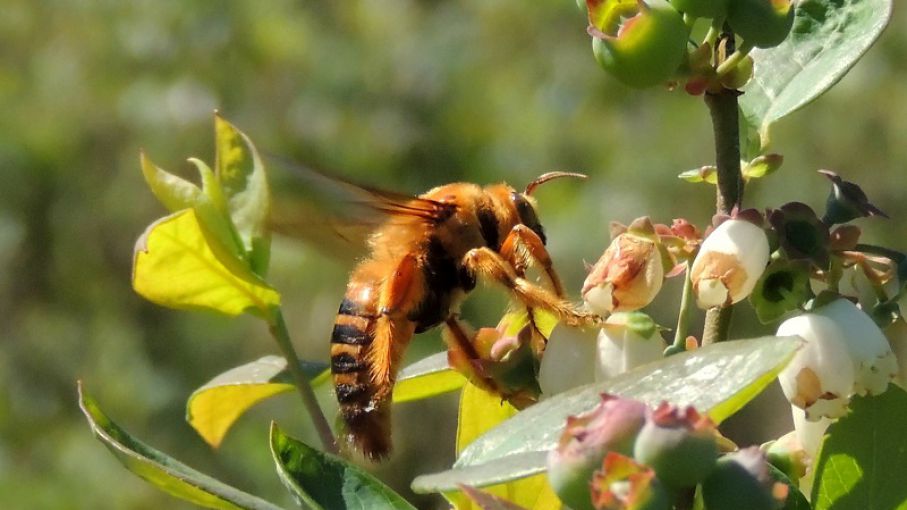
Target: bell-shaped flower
x=611 y=427
x=729 y=263
x=626 y=341
x=629 y=274
x=845 y=353
x=809 y=433
x=569 y=361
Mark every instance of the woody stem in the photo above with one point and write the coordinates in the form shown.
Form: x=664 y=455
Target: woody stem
x=723 y=109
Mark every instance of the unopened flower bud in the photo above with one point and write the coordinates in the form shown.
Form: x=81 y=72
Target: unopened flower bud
x=679 y=444
x=788 y=454
x=611 y=427
x=626 y=341
x=623 y=484
x=628 y=275
x=740 y=480
x=729 y=263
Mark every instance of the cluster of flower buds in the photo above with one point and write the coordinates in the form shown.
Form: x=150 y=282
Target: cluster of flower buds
x=845 y=354
x=644 y=42
x=623 y=455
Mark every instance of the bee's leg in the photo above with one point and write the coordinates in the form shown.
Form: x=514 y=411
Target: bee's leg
x=393 y=330
x=522 y=244
x=486 y=263
x=462 y=354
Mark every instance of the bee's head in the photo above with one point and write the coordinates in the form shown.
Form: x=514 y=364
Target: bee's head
x=525 y=203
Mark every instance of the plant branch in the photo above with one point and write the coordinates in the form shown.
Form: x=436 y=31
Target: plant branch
x=725 y=125
x=683 y=317
x=280 y=333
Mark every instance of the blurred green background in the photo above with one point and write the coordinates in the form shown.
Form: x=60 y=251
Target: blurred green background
x=403 y=94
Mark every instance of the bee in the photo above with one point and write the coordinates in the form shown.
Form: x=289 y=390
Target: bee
x=422 y=259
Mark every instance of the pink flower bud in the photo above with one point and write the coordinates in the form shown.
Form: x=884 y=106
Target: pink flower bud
x=611 y=427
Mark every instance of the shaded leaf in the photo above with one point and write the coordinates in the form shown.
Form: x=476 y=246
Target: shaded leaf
x=323 y=481
x=862 y=461
x=162 y=471
x=795 y=499
x=719 y=379
x=213 y=408
x=242 y=177
x=173 y=192
x=174 y=265
x=427 y=377
x=827 y=39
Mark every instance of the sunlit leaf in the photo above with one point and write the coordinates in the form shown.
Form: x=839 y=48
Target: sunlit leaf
x=427 y=377
x=827 y=39
x=862 y=461
x=214 y=408
x=173 y=192
x=162 y=471
x=242 y=177
x=175 y=266
x=320 y=480
x=485 y=500
x=718 y=379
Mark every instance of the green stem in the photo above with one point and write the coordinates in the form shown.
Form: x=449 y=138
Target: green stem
x=713 y=33
x=731 y=62
x=279 y=331
x=726 y=129
x=683 y=316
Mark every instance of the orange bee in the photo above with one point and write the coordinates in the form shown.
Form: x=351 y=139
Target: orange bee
x=422 y=261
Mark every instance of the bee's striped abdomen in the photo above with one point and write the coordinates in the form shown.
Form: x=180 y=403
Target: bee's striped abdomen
x=367 y=421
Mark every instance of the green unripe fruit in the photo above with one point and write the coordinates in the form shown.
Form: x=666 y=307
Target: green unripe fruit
x=740 y=481
x=647 y=48
x=761 y=23
x=680 y=455
x=701 y=8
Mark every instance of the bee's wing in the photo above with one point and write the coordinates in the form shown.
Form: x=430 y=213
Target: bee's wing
x=336 y=216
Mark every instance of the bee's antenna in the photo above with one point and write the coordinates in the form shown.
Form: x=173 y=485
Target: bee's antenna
x=549 y=176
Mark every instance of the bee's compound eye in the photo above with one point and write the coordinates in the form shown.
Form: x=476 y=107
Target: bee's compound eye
x=527 y=215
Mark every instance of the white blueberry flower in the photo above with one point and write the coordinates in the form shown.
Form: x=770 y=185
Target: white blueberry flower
x=897 y=339
x=729 y=263
x=626 y=341
x=845 y=354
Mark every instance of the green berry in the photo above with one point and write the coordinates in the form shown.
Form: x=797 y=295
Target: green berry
x=701 y=8
x=646 y=49
x=677 y=446
x=761 y=23
x=740 y=481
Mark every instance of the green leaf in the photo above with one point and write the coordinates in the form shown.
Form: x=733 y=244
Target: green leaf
x=718 y=379
x=427 y=377
x=162 y=471
x=173 y=192
x=242 y=177
x=175 y=265
x=795 y=499
x=706 y=174
x=487 y=501
x=320 y=480
x=213 y=408
x=827 y=39
x=861 y=463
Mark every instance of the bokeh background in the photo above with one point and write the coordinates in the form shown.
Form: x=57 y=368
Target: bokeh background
x=403 y=94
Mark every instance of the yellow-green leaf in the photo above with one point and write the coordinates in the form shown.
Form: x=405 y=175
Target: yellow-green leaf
x=427 y=377
x=481 y=411
x=173 y=192
x=244 y=181
x=213 y=408
x=174 y=265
